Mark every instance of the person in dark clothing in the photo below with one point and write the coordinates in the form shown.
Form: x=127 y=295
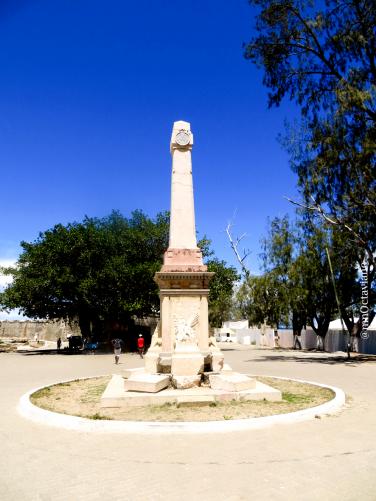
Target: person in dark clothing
x=116 y=343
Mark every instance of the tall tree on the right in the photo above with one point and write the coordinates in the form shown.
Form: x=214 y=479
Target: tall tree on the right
x=322 y=56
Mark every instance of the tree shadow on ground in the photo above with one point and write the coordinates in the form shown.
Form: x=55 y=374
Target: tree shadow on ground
x=30 y=353
x=354 y=361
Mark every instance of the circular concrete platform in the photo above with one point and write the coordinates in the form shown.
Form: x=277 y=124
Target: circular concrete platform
x=42 y=416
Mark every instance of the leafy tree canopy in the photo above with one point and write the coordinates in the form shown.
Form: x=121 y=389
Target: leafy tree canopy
x=221 y=291
x=322 y=56
x=296 y=286
x=100 y=271
x=97 y=270
x=221 y=286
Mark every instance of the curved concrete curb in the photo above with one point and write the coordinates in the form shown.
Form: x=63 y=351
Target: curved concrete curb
x=41 y=416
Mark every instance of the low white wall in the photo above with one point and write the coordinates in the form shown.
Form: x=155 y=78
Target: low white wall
x=247 y=336
x=334 y=341
x=256 y=337
x=286 y=338
x=368 y=346
x=308 y=339
x=235 y=324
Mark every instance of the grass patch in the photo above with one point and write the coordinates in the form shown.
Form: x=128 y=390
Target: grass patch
x=44 y=392
x=293 y=398
x=7 y=346
x=97 y=416
x=94 y=393
x=78 y=398
x=82 y=398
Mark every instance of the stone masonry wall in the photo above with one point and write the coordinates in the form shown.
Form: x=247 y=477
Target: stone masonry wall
x=45 y=330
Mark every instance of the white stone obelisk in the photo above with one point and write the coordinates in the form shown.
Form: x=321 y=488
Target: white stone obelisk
x=181 y=344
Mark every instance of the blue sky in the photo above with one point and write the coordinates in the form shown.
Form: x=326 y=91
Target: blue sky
x=89 y=91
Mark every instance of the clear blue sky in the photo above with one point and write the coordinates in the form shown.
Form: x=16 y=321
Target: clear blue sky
x=89 y=91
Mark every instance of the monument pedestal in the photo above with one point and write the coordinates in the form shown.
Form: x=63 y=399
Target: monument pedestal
x=182 y=338
x=187 y=360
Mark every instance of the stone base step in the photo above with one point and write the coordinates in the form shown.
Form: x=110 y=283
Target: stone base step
x=116 y=396
x=232 y=381
x=150 y=383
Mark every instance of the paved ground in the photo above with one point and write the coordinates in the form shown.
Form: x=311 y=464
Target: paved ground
x=333 y=458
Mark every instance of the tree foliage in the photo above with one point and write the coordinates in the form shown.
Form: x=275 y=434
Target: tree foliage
x=221 y=291
x=280 y=262
x=100 y=271
x=296 y=287
x=261 y=300
x=322 y=57
x=221 y=285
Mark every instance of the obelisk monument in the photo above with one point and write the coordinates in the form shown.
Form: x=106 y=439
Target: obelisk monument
x=182 y=353
x=181 y=344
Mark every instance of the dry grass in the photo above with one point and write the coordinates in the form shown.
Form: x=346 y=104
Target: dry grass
x=82 y=398
x=8 y=345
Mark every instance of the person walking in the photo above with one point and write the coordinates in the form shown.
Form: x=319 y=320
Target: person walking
x=117 y=349
x=58 y=342
x=141 y=345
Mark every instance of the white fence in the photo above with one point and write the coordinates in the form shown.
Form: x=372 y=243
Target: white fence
x=334 y=341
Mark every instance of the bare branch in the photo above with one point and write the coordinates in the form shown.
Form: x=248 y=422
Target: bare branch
x=235 y=247
x=336 y=222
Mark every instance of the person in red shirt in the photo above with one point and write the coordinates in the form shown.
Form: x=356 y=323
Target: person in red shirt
x=141 y=345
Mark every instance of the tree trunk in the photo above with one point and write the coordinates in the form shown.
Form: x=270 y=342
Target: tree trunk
x=84 y=323
x=320 y=346
x=321 y=329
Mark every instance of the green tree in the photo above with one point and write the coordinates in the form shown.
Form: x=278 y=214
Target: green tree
x=99 y=271
x=221 y=285
x=322 y=57
x=312 y=266
x=279 y=259
x=221 y=291
x=297 y=258
x=296 y=286
x=348 y=264
x=272 y=297
x=261 y=300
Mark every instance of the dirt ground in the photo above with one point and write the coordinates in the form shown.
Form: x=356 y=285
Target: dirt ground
x=8 y=345
x=82 y=398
